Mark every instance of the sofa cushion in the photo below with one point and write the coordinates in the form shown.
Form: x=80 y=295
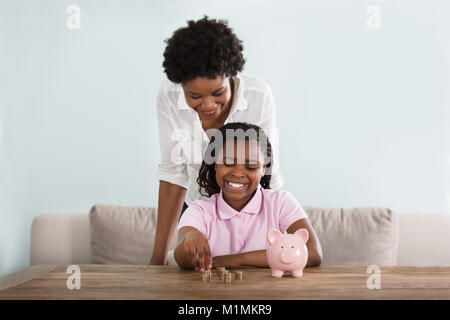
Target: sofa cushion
x=356 y=236
x=123 y=235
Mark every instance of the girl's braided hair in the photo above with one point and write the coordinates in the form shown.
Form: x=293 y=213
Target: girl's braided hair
x=207 y=174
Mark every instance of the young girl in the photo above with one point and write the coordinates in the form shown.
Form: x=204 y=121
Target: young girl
x=230 y=227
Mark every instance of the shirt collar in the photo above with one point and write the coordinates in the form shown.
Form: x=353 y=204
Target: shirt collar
x=182 y=105
x=239 y=103
x=253 y=206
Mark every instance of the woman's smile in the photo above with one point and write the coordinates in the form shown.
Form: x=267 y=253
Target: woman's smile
x=210 y=113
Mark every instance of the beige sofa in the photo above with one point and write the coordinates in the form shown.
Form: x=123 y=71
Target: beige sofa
x=414 y=239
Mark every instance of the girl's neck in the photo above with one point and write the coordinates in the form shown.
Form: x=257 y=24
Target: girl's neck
x=240 y=204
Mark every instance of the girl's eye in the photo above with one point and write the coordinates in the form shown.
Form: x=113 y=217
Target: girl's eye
x=282 y=247
x=195 y=97
x=252 y=168
x=218 y=94
x=228 y=164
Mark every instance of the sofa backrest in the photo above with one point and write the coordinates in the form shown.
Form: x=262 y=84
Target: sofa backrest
x=344 y=234
x=356 y=236
x=424 y=239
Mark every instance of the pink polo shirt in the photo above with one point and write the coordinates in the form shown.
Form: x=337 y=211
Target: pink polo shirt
x=230 y=231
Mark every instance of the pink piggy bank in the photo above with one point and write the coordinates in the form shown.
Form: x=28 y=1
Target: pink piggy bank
x=287 y=252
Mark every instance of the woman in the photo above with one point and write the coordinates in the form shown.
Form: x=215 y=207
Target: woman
x=204 y=91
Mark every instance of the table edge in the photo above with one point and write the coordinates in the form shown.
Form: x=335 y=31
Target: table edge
x=24 y=275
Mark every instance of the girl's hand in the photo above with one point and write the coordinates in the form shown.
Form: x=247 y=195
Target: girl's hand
x=196 y=245
x=230 y=261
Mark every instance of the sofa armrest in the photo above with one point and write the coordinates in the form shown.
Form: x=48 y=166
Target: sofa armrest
x=60 y=239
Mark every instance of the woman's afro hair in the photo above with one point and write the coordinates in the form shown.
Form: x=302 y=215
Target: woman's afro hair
x=205 y=48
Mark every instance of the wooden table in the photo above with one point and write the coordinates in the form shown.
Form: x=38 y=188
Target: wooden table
x=171 y=283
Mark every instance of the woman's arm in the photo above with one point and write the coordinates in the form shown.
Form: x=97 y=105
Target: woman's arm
x=258 y=258
x=170 y=202
x=172 y=176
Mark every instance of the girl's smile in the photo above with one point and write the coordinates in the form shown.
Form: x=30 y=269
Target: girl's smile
x=234 y=186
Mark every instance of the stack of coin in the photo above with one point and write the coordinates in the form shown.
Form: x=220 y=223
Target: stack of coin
x=221 y=272
x=228 y=277
x=206 y=275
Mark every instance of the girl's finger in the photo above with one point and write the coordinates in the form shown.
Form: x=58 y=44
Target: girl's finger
x=205 y=259
x=201 y=259
x=208 y=258
x=192 y=253
x=194 y=261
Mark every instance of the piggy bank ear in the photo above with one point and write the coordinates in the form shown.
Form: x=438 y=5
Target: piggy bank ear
x=303 y=234
x=273 y=234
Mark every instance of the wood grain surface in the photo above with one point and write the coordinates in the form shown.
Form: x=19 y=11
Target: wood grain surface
x=172 y=283
x=24 y=275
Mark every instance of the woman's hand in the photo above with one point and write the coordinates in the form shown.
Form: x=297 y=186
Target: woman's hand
x=196 y=246
x=230 y=261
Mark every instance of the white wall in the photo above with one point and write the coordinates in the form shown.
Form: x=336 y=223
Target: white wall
x=363 y=114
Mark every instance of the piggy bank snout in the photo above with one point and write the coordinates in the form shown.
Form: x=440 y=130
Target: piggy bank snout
x=287 y=257
x=289 y=254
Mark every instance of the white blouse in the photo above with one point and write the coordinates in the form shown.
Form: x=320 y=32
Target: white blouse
x=183 y=141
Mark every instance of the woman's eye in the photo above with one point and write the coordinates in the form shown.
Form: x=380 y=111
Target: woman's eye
x=195 y=97
x=217 y=94
x=252 y=168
